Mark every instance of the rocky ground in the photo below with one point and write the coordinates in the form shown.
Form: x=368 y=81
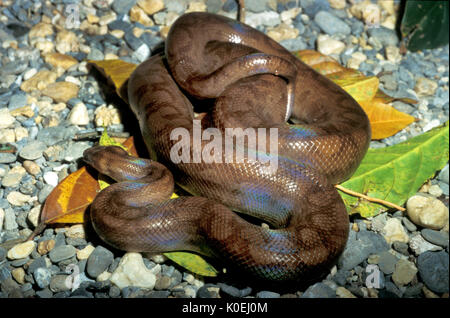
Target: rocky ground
x=48 y=95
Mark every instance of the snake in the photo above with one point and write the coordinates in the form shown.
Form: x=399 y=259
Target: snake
x=282 y=224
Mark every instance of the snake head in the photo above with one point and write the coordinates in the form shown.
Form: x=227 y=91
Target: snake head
x=101 y=157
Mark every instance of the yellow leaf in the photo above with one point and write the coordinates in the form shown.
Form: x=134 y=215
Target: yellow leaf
x=385 y=119
x=117 y=71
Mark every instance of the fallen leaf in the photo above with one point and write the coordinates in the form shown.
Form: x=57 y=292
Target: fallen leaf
x=192 y=262
x=69 y=200
x=395 y=173
x=385 y=120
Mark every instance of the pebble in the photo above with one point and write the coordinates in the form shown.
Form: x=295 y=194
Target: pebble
x=21 y=250
x=33 y=215
x=387 y=262
x=42 y=277
x=384 y=36
x=33 y=150
x=319 y=290
x=267 y=294
x=51 y=178
x=39 y=81
x=427 y=211
x=106 y=116
x=425 y=86
x=18 y=199
x=331 y=24
x=151 y=6
x=79 y=115
x=60 y=60
x=61 y=252
x=394 y=231
x=401 y=248
x=404 y=272
x=358 y=250
x=435 y=190
x=6 y=120
x=45 y=246
x=76 y=231
x=61 y=91
x=132 y=272
x=342 y=292
x=433 y=269
x=98 y=261
x=435 y=237
x=59 y=283
x=418 y=245
x=19 y=275
x=409 y=225
x=267 y=18
x=327 y=45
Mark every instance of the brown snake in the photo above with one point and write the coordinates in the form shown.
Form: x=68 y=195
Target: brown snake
x=247 y=80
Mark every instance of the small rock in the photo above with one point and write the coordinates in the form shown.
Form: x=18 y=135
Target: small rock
x=33 y=150
x=104 y=276
x=370 y=13
x=33 y=215
x=425 y=86
x=342 y=292
x=51 y=178
x=79 y=115
x=356 y=59
x=418 y=245
x=39 y=81
x=62 y=252
x=427 y=211
x=10 y=223
x=76 y=231
x=404 y=272
x=45 y=246
x=6 y=120
x=18 y=199
x=387 y=262
x=327 y=45
x=60 y=283
x=444 y=175
x=139 y=15
x=267 y=18
x=98 y=261
x=384 y=36
x=428 y=293
x=61 y=91
x=163 y=283
x=394 y=231
x=331 y=24
x=42 y=277
x=151 y=6
x=106 y=116
x=282 y=32
x=319 y=290
x=435 y=190
x=337 y=4
x=433 y=268
x=19 y=275
x=230 y=290
x=408 y=224
x=401 y=248
x=133 y=272
x=267 y=294
x=60 y=60
x=21 y=250
x=435 y=237
x=393 y=54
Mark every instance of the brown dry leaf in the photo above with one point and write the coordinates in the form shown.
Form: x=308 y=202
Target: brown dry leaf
x=385 y=119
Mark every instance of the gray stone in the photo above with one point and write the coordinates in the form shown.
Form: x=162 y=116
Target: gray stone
x=95 y=54
x=386 y=37
x=393 y=289
x=213 y=6
x=45 y=293
x=62 y=252
x=11 y=288
x=17 y=100
x=311 y=7
x=178 y=6
x=37 y=263
x=45 y=191
x=98 y=261
x=387 y=262
x=435 y=237
x=9 y=223
x=401 y=247
x=229 y=290
x=3 y=253
x=122 y=6
x=229 y=6
x=331 y=24
x=7 y=158
x=267 y=294
x=294 y=44
x=409 y=225
x=14 y=67
x=433 y=269
x=42 y=277
x=443 y=175
x=319 y=290
x=256 y=5
x=358 y=250
x=33 y=150
x=58 y=283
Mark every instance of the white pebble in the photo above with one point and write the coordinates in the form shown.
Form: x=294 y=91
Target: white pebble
x=79 y=115
x=33 y=215
x=133 y=272
x=435 y=190
x=51 y=178
x=427 y=211
x=394 y=231
x=18 y=199
x=327 y=45
x=6 y=119
x=29 y=74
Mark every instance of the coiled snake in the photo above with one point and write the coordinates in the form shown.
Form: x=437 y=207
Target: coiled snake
x=246 y=80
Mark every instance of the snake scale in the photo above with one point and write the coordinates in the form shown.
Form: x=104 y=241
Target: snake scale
x=245 y=80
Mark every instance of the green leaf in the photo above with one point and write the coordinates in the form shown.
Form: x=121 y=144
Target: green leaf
x=192 y=262
x=426 y=22
x=396 y=173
